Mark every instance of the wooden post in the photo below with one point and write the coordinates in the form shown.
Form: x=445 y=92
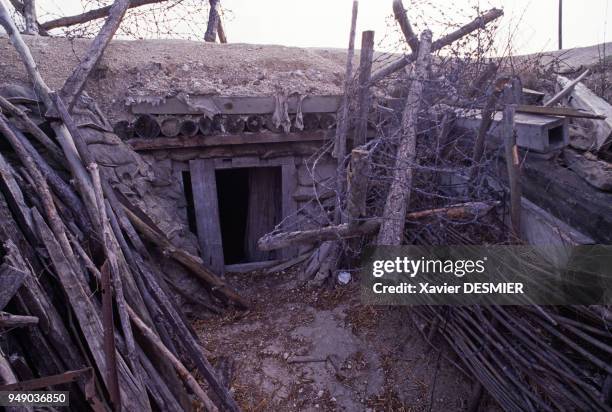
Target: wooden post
x=394 y=215
x=289 y=206
x=343 y=121
x=213 y=22
x=365 y=71
x=512 y=93
x=358 y=174
x=29 y=13
x=204 y=186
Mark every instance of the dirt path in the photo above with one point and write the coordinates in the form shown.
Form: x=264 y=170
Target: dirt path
x=302 y=349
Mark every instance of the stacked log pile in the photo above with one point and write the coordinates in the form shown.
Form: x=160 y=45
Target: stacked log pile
x=78 y=278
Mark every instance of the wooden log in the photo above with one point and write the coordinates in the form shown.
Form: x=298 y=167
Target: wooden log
x=33 y=129
x=221 y=31
x=471 y=210
x=478 y=23
x=181 y=370
x=585 y=99
x=188 y=128
x=255 y=123
x=488 y=112
x=205 y=125
x=311 y=122
x=8 y=377
x=76 y=81
x=394 y=214
x=170 y=126
x=234 y=124
x=567 y=89
x=339 y=151
x=110 y=352
x=357 y=187
x=12 y=273
x=90 y=15
x=364 y=95
x=146 y=127
x=123 y=129
x=193 y=263
x=89 y=322
x=190 y=343
x=63 y=191
x=41 y=187
x=402 y=19
x=213 y=22
x=327 y=121
x=9 y=321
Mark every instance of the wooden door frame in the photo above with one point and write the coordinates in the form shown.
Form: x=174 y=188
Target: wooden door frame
x=206 y=202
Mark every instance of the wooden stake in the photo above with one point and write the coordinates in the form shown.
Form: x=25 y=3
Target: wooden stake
x=343 y=121
x=363 y=98
x=76 y=81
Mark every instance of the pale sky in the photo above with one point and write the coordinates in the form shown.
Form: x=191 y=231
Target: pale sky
x=325 y=23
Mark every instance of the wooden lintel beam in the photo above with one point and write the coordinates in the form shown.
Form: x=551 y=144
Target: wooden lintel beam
x=226 y=140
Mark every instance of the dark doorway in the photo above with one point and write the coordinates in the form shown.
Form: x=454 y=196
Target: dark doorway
x=249 y=207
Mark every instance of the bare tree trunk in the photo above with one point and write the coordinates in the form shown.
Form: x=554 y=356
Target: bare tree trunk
x=76 y=82
x=213 y=22
x=394 y=215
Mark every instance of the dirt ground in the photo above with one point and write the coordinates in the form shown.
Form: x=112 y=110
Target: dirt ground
x=304 y=349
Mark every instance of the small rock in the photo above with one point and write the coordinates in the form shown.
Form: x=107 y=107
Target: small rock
x=285 y=355
x=320 y=393
x=344 y=278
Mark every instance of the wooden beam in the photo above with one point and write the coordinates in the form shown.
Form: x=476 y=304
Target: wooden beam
x=200 y=141
x=90 y=15
x=193 y=263
x=394 y=214
x=357 y=187
x=558 y=111
x=204 y=189
x=460 y=211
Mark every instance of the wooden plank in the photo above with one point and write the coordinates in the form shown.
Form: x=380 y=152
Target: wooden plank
x=204 y=189
x=227 y=140
x=289 y=205
x=557 y=111
x=263 y=210
x=234 y=105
